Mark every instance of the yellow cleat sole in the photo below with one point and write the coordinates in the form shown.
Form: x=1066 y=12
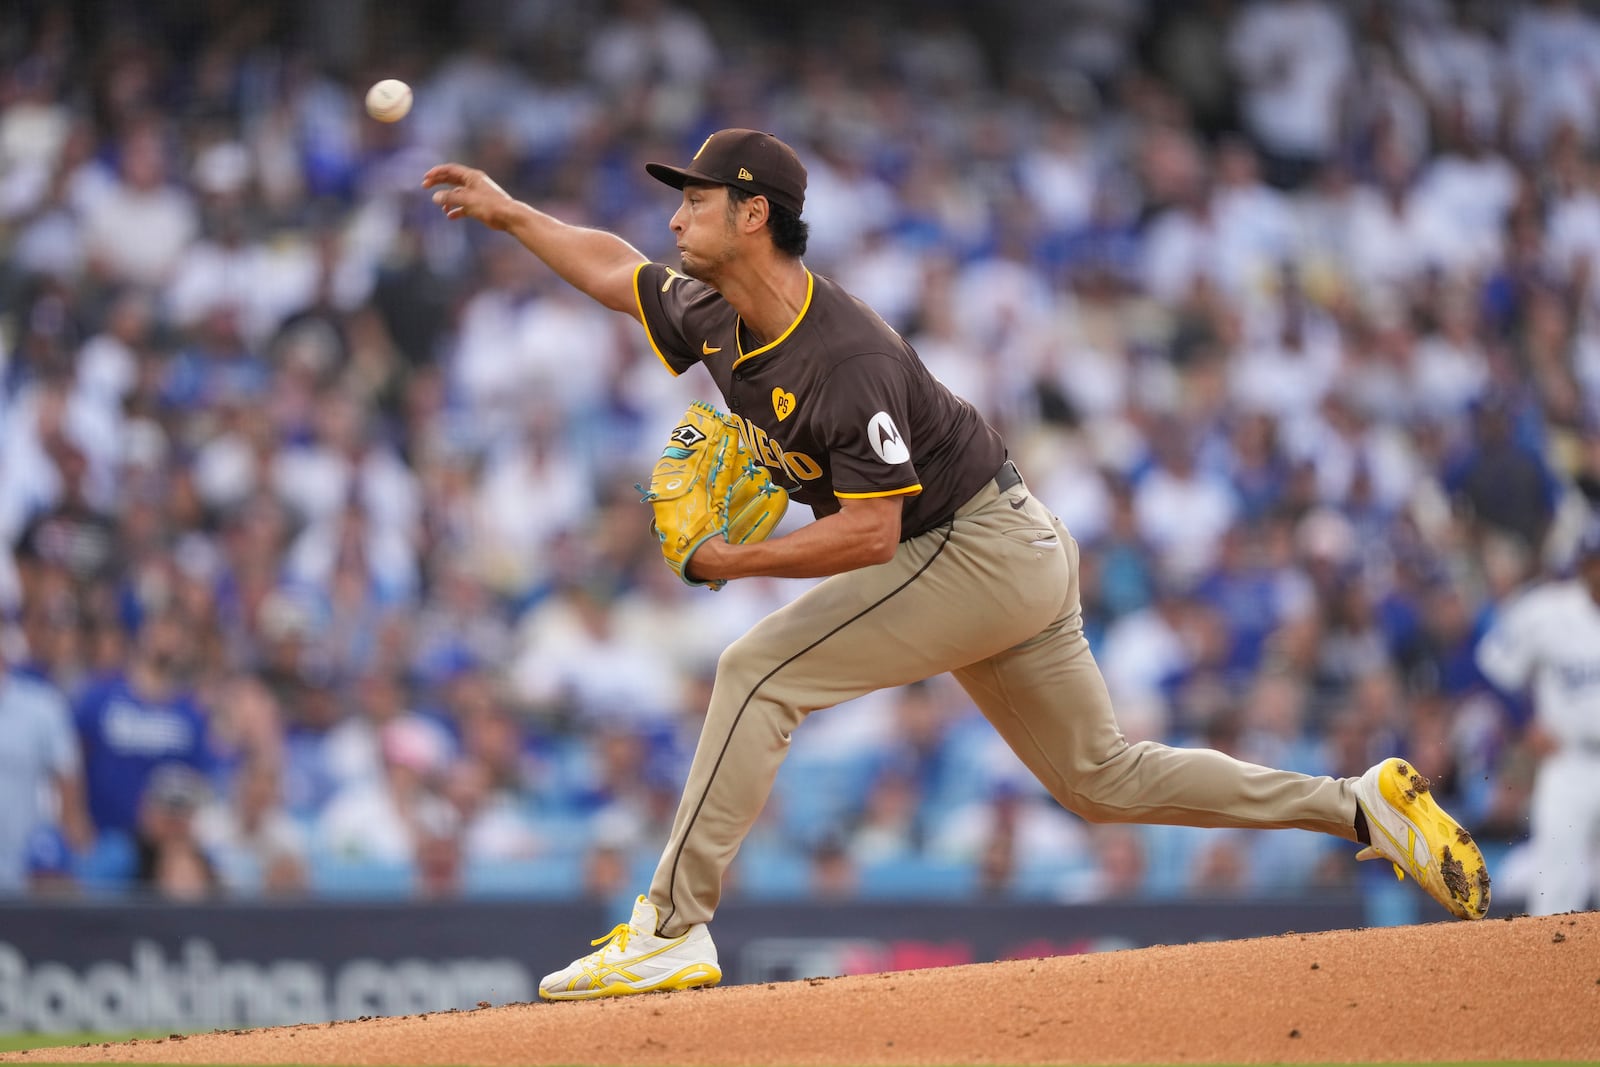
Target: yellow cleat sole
x=694 y=976
x=1458 y=878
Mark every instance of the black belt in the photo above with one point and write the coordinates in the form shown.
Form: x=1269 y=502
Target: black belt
x=1008 y=476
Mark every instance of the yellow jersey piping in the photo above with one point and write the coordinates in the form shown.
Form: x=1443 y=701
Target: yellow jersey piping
x=644 y=321
x=907 y=491
x=743 y=355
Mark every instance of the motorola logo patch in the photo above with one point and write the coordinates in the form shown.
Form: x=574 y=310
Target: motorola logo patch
x=886 y=440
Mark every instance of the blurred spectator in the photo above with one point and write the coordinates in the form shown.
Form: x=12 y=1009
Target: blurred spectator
x=1292 y=58
x=40 y=770
x=571 y=660
x=1024 y=826
x=890 y=825
x=74 y=534
x=171 y=862
x=489 y=825
x=1502 y=483
x=355 y=748
x=254 y=843
x=388 y=818
x=607 y=874
x=136 y=721
x=137 y=224
x=1120 y=865
x=833 y=872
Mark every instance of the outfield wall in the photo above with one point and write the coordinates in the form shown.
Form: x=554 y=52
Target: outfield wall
x=166 y=967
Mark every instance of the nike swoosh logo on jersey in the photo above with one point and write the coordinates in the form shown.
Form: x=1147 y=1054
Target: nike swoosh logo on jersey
x=1016 y=505
x=707 y=350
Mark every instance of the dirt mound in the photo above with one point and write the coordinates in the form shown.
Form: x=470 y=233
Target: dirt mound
x=1526 y=989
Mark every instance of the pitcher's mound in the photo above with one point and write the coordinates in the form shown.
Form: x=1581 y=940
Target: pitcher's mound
x=1524 y=989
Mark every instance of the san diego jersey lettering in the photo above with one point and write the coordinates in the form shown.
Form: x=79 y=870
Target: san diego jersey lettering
x=838 y=406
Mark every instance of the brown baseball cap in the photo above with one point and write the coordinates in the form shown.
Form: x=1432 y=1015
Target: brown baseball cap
x=756 y=162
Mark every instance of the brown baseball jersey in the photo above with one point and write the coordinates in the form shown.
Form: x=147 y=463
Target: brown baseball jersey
x=838 y=406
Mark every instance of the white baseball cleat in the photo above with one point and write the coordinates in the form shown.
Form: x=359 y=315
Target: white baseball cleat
x=632 y=959
x=1410 y=830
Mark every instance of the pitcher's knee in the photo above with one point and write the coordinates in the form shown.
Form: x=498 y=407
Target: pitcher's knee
x=741 y=665
x=1095 y=793
x=744 y=677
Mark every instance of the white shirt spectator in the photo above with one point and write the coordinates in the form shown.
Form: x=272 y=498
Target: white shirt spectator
x=1390 y=244
x=1447 y=375
x=1572 y=237
x=1064 y=475
x=1184 y=513
x=1141 y=650
x=107 y=368
x=353 y=749
x=263 y=285
x=1472 y=195
x=138 y=226
x=140 y=234
x=1340 y=451
x=317 y=481
x=1554 y=52
x=1457 y=66
x=243 y=853
x=32 y=134
x=1180 y=247
x=1258 y=233
x=367 y=823
x=1057 y=174
x=571 y=651
x=1288 y=380
x=1293 y=57
x=388 y=559
x=566 y=347
x=843 y=200
x=1003 y=301
x=886 y=275
x=528 y=497
x=652 y=42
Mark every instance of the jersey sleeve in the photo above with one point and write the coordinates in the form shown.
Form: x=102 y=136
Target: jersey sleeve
x=1508 y=654
x=675 y=311
x=867 y=419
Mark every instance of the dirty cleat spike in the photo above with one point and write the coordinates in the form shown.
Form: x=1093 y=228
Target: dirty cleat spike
x=1411 y=831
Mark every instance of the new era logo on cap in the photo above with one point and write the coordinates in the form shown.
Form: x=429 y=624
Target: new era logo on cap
x=735 y=157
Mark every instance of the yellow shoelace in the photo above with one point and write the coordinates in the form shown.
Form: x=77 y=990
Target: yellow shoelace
x=619 y=934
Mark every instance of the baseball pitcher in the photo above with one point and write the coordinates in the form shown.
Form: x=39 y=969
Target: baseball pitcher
x=936 y=554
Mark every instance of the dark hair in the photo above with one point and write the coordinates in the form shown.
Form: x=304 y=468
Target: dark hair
x=789 y=231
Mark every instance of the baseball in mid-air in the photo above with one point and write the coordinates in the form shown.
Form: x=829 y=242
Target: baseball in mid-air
x=389 y=100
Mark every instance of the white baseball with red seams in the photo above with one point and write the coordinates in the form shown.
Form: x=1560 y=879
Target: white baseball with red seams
x=389 y=100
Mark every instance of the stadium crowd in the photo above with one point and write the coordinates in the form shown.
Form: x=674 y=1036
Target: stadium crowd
x=322 y=568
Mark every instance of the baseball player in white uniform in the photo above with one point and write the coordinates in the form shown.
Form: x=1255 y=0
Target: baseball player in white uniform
x=1548 y=641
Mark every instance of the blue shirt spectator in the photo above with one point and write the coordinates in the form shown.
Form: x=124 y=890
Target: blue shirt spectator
x=135 y=721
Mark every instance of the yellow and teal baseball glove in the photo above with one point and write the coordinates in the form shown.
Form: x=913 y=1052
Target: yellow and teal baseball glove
x=707 y=484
